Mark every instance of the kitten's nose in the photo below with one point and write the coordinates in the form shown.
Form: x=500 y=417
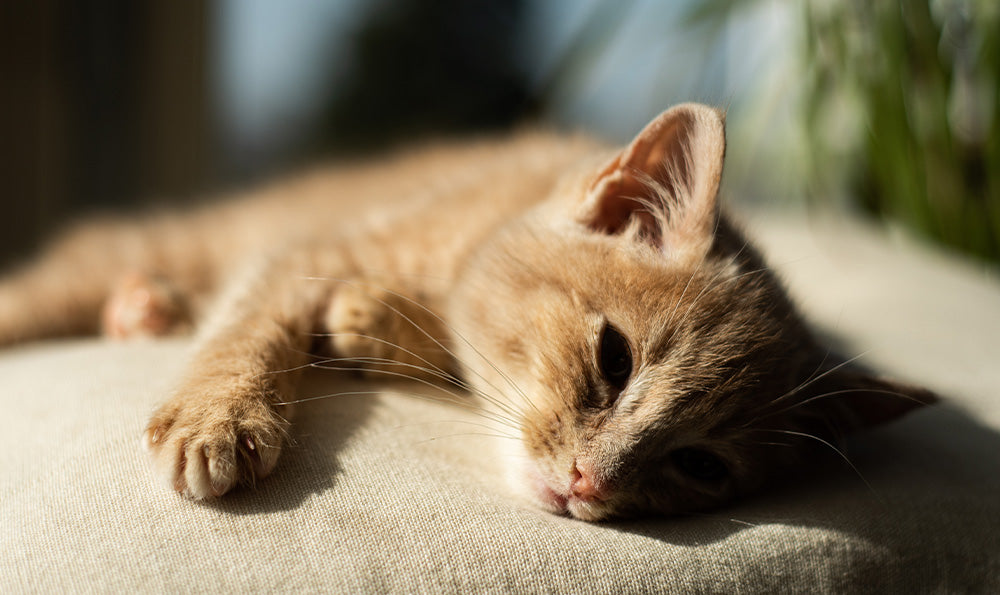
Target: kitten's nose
x=585 y=485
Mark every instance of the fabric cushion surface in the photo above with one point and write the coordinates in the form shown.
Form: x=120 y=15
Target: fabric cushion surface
x=394 y=492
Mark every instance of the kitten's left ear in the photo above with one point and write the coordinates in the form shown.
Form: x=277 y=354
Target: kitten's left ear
x=852 y=399
x=664 y=185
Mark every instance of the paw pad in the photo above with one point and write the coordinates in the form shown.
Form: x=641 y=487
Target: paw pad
x=141 y=305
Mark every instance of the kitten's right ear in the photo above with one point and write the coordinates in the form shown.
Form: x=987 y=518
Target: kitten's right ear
x=663 y=187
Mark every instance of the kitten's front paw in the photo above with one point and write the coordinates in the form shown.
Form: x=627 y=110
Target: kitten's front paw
x=378 y=331
x=206 y=448
x=361 y=322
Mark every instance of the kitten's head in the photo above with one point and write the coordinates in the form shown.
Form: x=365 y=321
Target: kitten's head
x=646 y=357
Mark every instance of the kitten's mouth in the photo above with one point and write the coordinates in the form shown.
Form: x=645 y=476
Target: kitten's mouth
x=549 y=498
x=565 y=504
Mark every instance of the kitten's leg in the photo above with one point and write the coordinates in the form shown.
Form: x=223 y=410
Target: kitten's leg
x=227 y=423
x=49 y=300
x=144 y=305
x=387 y=332
x=63 y=291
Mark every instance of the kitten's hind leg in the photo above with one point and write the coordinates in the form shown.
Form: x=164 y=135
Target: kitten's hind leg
x=64 y=290
x=142 y=305
x=48 y=300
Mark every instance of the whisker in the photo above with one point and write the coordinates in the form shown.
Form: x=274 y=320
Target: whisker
x=467 y=342
x=719 y=517
x=834 y=449
x=456 y=398
x=809 y=382
x=436 y=371
x=330 y=396
x=475 y=410
x=431 y=337
x=841 y=392
x=322 y=365
x=454 y=421
x=482 y=434
x=802 y=386
x=383 y=342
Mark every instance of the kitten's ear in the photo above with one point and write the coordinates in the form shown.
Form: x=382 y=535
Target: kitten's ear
x=663 y=187
x=851 y=399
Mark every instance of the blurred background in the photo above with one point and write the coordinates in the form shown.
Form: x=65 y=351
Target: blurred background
x=888 y=109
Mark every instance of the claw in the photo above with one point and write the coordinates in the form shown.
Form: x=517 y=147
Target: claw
x=206 y=460
x=179 y=484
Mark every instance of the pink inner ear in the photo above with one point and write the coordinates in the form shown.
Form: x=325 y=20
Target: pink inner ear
x=615 y=216
x=662 y=153
x=652 y=187
x=620 y=203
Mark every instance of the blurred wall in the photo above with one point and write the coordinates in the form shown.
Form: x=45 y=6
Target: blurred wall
x=105 y=103
x=122 y=104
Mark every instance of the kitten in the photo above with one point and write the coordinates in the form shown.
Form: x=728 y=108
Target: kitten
x=598 y=302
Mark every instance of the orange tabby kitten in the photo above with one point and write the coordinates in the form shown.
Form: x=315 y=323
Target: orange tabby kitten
x=600 y=301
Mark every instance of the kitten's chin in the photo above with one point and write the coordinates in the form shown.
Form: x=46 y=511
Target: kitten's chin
x=587 y=511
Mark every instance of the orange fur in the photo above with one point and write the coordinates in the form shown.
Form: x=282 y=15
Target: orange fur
x=503 y=262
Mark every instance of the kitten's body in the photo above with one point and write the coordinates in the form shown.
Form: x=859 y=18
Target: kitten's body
x=415 y=214
x=550 y=260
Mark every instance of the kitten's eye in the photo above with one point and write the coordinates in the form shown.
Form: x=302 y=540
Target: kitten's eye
x=699 y=464
x=616 y=358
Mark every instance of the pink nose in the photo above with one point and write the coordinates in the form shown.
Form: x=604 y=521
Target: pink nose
x=585 y=485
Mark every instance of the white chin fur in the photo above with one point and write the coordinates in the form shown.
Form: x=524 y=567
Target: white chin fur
x=525 y=483
x=587 y=511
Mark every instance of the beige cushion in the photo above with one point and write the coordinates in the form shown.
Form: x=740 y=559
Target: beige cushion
x=394 y=493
